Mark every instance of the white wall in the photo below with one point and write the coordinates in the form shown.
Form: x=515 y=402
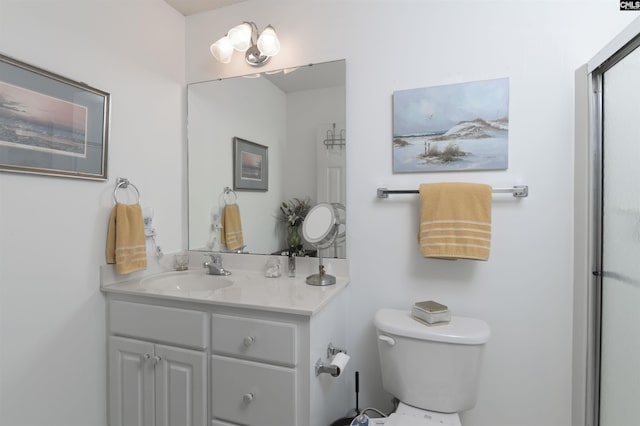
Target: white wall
x=524 y=291
x=52 y=230
x=309 y=112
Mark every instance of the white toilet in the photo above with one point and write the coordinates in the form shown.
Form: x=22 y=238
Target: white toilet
x=432 y=370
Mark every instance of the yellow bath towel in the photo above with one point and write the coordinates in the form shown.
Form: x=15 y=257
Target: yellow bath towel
x=125 y=239
x=455 y=220
x=232 y=227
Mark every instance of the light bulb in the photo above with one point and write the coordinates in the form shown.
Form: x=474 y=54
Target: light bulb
x=268 y=42
x=222 y=50
x=240 y=36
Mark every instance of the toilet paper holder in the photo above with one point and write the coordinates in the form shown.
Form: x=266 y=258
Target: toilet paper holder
x=332 y=369
x=333 y=350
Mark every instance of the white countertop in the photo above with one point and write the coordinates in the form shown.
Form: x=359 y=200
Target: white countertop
x=250 y=288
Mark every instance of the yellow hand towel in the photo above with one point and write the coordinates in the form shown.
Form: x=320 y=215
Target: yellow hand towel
x=232 y=227
x=455 y=220
x=125 y=239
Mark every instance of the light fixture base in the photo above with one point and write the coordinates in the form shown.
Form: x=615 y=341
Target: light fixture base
x=321 y=279
x=255 y=58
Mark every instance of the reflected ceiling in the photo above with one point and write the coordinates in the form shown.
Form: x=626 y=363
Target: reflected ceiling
x=191 y=7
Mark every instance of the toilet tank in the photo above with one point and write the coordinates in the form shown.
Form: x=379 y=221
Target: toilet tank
x=433 y=367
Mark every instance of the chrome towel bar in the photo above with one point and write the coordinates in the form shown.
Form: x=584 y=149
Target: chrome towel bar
x=518 y=191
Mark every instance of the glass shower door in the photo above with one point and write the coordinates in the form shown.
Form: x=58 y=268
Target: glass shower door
x=620 y=291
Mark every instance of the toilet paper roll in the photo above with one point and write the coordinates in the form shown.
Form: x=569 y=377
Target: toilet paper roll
x=340 y=360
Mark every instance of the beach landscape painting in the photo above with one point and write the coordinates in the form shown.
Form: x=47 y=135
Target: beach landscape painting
x=51 y=125
x=457 y=127
x=34 y=121
x=251 y=165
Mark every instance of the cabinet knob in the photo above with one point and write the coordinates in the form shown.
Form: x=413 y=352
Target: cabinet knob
x=146 y=356
x=249 y=340
x=247 y=398
x=157 y=359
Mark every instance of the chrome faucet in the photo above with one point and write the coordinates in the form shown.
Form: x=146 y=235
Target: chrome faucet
x=214 y=266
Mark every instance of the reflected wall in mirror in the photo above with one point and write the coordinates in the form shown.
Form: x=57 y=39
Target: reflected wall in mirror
x=299 y=114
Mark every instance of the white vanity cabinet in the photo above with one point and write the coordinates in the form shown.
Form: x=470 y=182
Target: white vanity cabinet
x=156 y=384
x=153 y=383
x=254 y=370
x=187 y=361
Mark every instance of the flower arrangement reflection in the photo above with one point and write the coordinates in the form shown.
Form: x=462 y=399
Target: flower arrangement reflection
x=293 y=212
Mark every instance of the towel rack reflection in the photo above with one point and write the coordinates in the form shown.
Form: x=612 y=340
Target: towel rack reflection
x=518 y=191
x=335 y=139
x=228 y=191
x=124 y=183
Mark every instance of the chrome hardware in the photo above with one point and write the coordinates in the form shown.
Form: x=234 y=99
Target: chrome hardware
x=331 y=369
x=214 y=266
x=124 y=183
x=249 y=340
x=335 y=138
x=247 y=398
x=154 y=358
x=333 y=351
x=228 y=191
x=387 y=339
x=518 y=191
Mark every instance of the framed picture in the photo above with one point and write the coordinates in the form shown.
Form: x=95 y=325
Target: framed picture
x=250 y=166
x=50 y=125
x=457 y=127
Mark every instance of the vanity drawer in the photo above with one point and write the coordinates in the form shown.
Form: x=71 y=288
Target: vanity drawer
x=251 y=393
x=251 y=338
x=159 y=323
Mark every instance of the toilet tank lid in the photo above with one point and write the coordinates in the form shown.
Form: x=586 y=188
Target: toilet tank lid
x=460 y=330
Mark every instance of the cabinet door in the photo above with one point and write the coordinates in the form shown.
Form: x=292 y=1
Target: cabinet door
x=181 y=387
x=131 y=382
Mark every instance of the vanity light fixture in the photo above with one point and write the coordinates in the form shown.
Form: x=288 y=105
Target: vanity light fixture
x=258 y=48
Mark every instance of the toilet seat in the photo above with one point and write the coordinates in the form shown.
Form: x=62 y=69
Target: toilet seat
x=406 y=415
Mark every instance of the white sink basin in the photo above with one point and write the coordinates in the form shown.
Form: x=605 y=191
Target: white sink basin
x=186 y=282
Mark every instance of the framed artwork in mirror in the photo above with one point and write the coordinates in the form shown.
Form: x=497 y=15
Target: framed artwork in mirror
x=250 y=166
x=51 y=125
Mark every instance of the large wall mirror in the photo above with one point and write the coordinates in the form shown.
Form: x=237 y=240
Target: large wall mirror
x=295 y=118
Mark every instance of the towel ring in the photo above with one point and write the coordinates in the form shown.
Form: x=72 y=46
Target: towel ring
x=124 y=183
x=228 y=191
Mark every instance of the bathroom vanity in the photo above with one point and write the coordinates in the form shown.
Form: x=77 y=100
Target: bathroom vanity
x=243 y=353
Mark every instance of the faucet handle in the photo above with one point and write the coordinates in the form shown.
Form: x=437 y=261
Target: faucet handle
x=215 y=258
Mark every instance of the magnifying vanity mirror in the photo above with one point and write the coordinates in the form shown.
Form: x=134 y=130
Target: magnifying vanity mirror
x=323 y=227
x=295 y=119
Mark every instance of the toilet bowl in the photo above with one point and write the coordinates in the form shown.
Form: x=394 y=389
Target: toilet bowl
x=433 y=370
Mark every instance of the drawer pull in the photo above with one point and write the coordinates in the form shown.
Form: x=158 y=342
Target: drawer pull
x=249 y=340
x=247 y=398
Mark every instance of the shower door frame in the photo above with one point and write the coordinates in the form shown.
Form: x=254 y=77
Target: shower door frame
x=614 y=52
